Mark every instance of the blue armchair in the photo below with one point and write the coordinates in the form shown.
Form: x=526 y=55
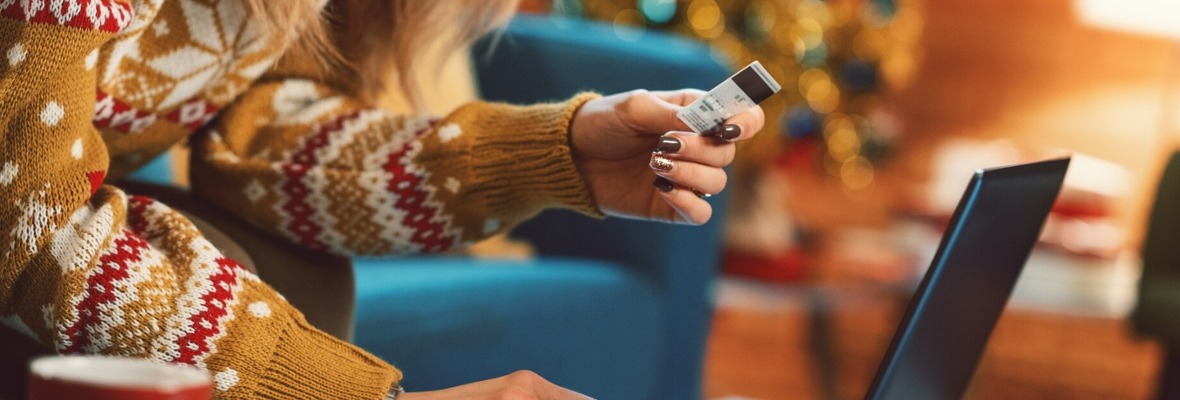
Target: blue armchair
x=615 y=309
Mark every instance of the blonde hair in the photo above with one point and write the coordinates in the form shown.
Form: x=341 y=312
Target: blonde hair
x=379 y=40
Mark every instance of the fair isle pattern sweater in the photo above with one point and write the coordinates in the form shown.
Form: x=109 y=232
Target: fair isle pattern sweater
x=91 y=89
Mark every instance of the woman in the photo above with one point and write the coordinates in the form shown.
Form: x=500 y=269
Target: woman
x=93 y=88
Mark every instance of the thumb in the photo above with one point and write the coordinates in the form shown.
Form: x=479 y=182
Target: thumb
x=655 y=112
x=682 y=97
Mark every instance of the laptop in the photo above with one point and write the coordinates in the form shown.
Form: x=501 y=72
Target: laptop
x=990 y=236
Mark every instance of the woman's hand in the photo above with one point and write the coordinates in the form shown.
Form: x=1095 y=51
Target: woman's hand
x=613 y=139
x=520 y=385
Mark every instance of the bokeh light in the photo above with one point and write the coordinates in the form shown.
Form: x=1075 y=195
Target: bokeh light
x=807 y=34
x=705 y=18
x=843 y=56
x=857 y=172
x=658 y=11
x=814 y=10
x=869 y=44
x=761 y=18
x=629 y=25
x=819 y=91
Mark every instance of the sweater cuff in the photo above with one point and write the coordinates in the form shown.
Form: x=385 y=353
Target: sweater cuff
x=532 y=166
x=310 y=364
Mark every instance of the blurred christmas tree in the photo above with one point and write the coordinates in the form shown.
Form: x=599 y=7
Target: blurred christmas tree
x=837 y=61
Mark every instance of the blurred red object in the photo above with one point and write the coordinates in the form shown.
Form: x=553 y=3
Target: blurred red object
x=535 y=6
x=800 y=155
x=787 y=267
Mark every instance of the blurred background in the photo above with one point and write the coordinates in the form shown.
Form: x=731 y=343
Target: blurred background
x=887 y=108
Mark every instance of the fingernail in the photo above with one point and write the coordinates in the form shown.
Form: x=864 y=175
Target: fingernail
x=661 y=163
x=730 y=132
x=668 y=144
x=662 y=184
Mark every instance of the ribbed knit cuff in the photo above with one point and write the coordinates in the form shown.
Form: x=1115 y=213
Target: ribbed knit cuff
x=530 y=165
x=310 y=364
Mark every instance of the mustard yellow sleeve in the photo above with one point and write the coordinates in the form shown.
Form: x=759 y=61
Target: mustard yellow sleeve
x=86 y=269
x=52 y=161
x=306 y=160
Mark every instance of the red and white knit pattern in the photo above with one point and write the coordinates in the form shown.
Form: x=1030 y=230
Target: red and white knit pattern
x=305 y=205
x=98 y=316
x=398 y=194
x=295 y=209
x=431 y=228
x=110 y=288
x=90 y=270
x=110 y=112
x=207 y=297
x=401 y=196
x=79 y=240
x=190 y=326
x=102 y=15
x=376 y=179
x=205 y=308
x=193 y=114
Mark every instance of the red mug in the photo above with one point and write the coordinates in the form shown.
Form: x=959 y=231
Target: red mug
x=110 y=378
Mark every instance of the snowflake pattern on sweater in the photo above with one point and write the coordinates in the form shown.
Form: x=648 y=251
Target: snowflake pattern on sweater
x=93 y=89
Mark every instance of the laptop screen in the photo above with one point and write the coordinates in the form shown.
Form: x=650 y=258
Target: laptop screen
x=990 y=236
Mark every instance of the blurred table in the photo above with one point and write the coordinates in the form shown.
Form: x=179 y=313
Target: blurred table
x=776 y=342
x=823 y=339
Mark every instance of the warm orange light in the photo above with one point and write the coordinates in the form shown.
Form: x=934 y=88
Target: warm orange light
x=857 y=173
x=705 y=18
x=1153 y=17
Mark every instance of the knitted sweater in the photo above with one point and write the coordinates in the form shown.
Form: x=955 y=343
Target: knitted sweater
x=91 y=89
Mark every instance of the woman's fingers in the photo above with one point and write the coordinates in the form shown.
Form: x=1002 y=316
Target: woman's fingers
x=740 y=127
x=696 y=148
x=686 y=206
x=523 y=385
x=748 y=123
x=649 y=112
x=689 y=165
x=699 y=177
